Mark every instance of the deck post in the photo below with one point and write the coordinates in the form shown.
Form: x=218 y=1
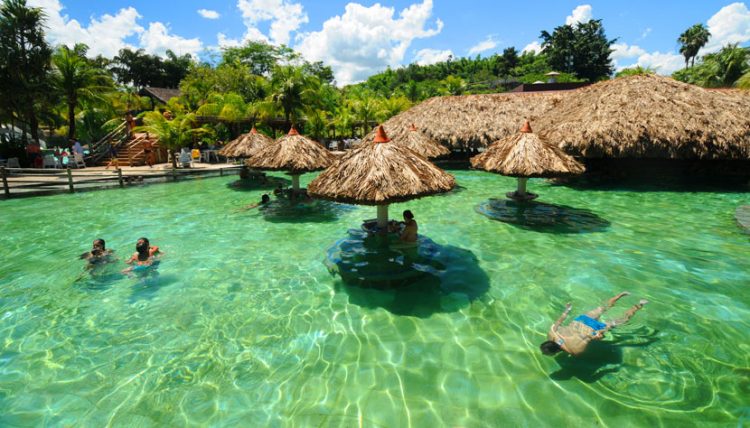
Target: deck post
x=119 y=177
x=4 y=173
x=70 y=180
x=221 y=172
x=174 y=174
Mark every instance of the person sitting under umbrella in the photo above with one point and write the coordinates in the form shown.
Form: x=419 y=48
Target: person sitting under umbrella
x=575 y=337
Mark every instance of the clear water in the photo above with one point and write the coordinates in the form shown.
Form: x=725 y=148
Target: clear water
x=245 y=325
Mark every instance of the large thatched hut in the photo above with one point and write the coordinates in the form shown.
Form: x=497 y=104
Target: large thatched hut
x=246 y=144
x=420 y=143
x=470 y=120
x=380 y=174
x=650 y=116
x=292 y=153
x=525 y=155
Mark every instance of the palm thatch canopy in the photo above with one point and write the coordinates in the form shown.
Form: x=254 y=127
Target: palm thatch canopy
x=526 y=155
x=293 y=153
x=420 y=143
x=650 y=116
x=470 y=120
x=379 y=174
x=246 y=144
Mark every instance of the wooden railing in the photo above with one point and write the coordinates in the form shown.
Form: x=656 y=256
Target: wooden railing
x=101 y=149
x=33 y=181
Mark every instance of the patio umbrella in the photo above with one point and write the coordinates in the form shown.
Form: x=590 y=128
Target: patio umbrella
x=292 y=153
x=380 y=174
x=525 y=155
x=244 y=145
x=420 y=143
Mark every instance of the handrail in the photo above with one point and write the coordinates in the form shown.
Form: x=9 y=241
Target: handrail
x=97 y=154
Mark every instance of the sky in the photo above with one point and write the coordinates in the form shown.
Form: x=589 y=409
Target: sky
x=359 y=39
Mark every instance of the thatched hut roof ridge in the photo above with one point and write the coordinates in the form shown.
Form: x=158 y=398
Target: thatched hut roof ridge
x=293 y=153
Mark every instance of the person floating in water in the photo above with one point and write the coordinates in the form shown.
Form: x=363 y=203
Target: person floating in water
x=99 y=254
x=409 y=234
x=144 y=256
x=575 y=337
x=264 y=200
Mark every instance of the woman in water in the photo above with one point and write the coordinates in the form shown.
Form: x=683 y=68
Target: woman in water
x=99 y=254
x=144 y=256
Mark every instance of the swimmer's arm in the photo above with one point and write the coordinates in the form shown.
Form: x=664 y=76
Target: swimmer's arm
x=562 y=317
x=132 y=258
x=154 y=250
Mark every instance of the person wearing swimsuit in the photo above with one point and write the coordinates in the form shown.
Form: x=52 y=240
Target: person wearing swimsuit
x=575 y=337
x=144 y=255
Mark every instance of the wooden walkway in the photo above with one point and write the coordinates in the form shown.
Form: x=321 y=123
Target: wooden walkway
x=23 y=182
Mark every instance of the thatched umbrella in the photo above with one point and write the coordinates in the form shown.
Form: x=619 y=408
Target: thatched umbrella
x=294 y=154
x=417 y=141
x=380 y=174
x=650 y=116
x=525 y=155
x=470 y=120
x=244 y=145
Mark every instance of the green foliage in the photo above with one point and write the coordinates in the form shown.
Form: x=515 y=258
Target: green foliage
x=141 y=69
x=582 y=50
x=173 y=134
x=635 y=71
x=692 y=40
x=260 y=58
x=293 y=91
x=722 y=69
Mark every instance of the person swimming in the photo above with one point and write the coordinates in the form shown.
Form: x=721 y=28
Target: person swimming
x=264 y=200
x=144 y=256
x=576 y=336
x=409 y=233
x=99 y=253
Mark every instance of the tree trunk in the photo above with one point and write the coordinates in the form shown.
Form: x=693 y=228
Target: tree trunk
x=71 y=121
x=33 y=125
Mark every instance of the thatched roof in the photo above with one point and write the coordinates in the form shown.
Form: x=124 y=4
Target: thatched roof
x=160 y=94
x=292 y=153
x=650 y=116
x=526 y=155
x=417 y=141
x=378 y=174
x=470 y=120
x=246 y=144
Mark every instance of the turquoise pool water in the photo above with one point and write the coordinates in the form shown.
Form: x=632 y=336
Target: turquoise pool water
x=246 y=326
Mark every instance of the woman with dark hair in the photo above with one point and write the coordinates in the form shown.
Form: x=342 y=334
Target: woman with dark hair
x=576 y=336
x=99 y=254
x=144 y=255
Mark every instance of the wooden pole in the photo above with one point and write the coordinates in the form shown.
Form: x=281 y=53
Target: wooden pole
x=4 y=173
x=70 y=180
x=221 y=172
x=174 y=174
x=383 y=216
x=119 y=177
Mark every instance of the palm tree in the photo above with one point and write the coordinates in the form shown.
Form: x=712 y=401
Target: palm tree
x=293 y=91
x=691 y=41
x=366 y=107
x=78 y=81
x=173 y=134
x=392 y=106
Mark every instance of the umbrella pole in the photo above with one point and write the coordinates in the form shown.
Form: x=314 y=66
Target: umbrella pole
x=521 y=191
x=295 y=183
x=383 y=216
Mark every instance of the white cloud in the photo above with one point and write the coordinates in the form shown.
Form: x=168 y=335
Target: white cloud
x=535 y=47
x=580 y=14
x=483 y=46
x=432 y=56
x=623 y=51
x=285 y=17
x=663 y=63
x=156 y=40
x=226 y=42
x=365 y=40
x=209 y=14
x=645 y=33
x=104 y=36
x=731 y=24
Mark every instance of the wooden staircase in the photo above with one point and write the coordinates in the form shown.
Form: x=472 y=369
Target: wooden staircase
x=130 y=152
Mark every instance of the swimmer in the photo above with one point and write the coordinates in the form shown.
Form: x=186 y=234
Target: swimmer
x=409 y=234
x=264 y=200
x=144 y=255
x=99 y=254
x=575 y=337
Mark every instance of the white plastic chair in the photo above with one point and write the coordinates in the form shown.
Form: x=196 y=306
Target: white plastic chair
x=186 y=158
x=13 y=163
x=50 y=161
x=78 y=161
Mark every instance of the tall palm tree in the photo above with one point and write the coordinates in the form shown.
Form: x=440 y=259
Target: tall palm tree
x=172 y=134
x=365 y=107
x=691 y=41
x=78 y=81
x=293 y=91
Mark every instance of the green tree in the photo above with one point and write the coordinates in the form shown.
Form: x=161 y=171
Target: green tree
x=454 y=85
x=260 y=57
x=173 y=134
x=691 y=41
x=583 y=50
x=719 y=69
x=77 y=80
x=635 y=71
x=293 y=91
x=24 y=63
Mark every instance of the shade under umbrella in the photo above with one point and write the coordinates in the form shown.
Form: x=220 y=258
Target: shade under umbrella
x=292 y=153
x=420 y=143
x=246 y=144
x=526 y=155
x=380 y=174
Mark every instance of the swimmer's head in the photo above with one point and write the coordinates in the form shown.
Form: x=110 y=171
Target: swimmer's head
x=99 y=244
x=550 y=348
x=265 y=199
x=142 y=245
x=408 y=215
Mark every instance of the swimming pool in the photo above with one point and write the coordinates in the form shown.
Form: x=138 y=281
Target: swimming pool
x=245 y=325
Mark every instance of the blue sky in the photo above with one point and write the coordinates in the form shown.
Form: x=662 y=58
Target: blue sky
x=362 y=38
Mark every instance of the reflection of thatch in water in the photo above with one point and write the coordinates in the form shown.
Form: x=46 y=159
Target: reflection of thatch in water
x=542 y=217
x=249 y=185
x=283 y=210
x=406 y=279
